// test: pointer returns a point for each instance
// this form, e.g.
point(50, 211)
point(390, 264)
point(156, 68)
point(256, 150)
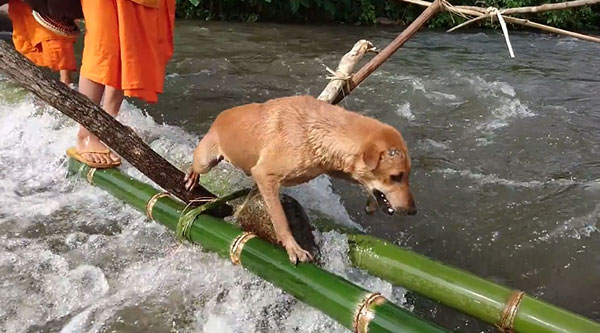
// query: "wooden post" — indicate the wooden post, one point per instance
point(387, 52)
point(118, 137)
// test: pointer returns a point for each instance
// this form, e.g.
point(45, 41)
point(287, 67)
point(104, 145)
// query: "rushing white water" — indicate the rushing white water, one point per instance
point(498, 98)
point(482, 179)
point(74, 259)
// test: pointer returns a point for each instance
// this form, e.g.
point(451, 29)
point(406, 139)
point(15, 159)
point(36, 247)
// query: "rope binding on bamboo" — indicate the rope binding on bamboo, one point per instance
point(364, 313)
point(153, 201)
point(90, 175)
point(338, 76)
point(186, 219)
point(507, 317)
point(235, 250)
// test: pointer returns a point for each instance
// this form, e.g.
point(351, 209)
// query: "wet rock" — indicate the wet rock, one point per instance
point(252, 216)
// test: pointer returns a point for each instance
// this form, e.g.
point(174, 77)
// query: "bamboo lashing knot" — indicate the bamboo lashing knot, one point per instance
point(186, 219)
point(235, 250)
point(152, 202)
point(364, 314)
point(336, 75)
point(90, 175)
point(507, 317)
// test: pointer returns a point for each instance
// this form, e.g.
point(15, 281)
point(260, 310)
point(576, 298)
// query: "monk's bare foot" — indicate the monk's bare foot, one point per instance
point(91, 144)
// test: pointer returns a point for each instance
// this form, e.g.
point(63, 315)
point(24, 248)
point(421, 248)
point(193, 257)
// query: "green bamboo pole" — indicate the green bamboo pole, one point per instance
point(335, 296)
point(460, 290)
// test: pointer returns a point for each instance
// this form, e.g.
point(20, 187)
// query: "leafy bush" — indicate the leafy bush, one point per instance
point(367, 12)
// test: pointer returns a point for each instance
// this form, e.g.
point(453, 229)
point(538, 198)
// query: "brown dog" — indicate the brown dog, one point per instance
point(291, 140)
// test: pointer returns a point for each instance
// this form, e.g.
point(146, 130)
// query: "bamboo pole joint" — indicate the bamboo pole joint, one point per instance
point(235, 250)
point(507, 318)
point(365, 312)
point(90, 175)
point(152, 202)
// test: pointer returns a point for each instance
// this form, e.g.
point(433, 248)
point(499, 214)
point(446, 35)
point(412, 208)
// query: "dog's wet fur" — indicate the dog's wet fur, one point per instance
point(291, 140)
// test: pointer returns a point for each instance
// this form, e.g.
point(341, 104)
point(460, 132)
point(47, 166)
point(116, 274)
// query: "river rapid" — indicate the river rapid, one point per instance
point(506, 170)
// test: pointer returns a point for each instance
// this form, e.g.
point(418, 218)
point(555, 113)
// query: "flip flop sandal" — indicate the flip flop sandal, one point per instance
point(73, 153)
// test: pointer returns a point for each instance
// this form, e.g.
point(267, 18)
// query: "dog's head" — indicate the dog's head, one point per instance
point(383, 168)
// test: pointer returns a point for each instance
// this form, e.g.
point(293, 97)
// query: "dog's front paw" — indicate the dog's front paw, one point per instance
point(295, 252)
point(191, 180)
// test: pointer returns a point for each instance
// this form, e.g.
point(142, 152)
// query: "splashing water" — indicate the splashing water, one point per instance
point(483, 179)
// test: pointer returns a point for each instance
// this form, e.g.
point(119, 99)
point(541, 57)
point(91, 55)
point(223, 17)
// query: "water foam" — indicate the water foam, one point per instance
point(486, 179)
point(403, 110)
point(427, 88)
point(317, 195)
point(575, 227)
point(500, 99)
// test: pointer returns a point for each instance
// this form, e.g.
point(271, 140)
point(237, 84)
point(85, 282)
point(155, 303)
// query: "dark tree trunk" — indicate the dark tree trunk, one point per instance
point(118, 137)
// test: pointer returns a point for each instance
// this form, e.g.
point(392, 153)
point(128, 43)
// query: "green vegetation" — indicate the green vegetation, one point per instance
point(367, 12)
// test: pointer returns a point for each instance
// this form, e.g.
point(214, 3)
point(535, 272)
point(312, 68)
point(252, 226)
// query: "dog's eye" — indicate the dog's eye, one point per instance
point(398, 177)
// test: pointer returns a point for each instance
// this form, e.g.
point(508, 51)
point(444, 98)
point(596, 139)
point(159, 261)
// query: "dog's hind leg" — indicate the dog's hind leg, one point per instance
point(206, 156)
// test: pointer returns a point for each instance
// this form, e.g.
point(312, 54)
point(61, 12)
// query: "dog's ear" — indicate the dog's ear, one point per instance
point(371, 155)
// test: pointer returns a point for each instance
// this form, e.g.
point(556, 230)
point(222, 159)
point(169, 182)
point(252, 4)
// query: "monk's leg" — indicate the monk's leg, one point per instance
point(65, 76)
point(86, 141)
point(113, 98)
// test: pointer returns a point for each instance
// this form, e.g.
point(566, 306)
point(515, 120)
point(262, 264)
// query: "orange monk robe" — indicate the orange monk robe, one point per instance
point(40, 45)
point(127, 45)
